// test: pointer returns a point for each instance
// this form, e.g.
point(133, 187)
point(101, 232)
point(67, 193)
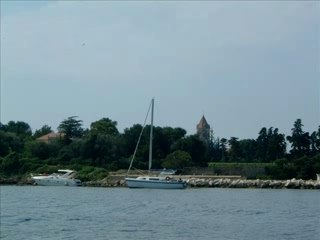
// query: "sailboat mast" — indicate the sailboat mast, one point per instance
point(151, 135)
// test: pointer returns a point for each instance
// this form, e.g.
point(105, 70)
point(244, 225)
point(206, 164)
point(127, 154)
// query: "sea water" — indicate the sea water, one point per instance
point(35, 212)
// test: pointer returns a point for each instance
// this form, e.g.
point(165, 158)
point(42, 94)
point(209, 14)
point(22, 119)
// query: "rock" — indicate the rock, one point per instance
point(275, 184)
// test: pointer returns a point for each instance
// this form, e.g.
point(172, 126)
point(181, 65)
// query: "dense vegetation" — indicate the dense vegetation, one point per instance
point(102, 147)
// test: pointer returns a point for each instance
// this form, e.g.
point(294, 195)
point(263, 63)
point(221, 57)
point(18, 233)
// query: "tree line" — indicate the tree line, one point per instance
point(103, 146)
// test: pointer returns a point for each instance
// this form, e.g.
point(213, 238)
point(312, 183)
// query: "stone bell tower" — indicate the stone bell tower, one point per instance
point(203, 130)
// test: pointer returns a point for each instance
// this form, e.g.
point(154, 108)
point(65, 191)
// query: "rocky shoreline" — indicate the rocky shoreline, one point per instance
point(225, 183)
point(198, 183)
point(258, 183)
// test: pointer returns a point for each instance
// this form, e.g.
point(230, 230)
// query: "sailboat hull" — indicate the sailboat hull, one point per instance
point(155, 184)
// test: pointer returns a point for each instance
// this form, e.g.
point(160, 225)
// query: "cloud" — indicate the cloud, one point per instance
point(133, 35)
point(87, 56)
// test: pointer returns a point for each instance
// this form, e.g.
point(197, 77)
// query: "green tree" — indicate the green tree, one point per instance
point(4, 145)
point(214, 150)
point(131, 136)
point(195, 147)
point(217, 149)
point(248, 148)
point(45, 129)
point(103, 144)
point(163, 140)
point(104, 126)
point(37, 149)
point(21, 129)
point(10, 142)
point(102, 149)
point(177, 160)
point(305, 167)
point(300, 140)
point(10, 164)
point(282, 169)
point(315, 142)
point(276, 145)
point(72, 152)
point(262, 145)
point(271, 145)
point(223, 147)
point(235, 150)
point(72, 128)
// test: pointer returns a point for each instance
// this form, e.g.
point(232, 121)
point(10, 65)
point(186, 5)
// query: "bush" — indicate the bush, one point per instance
point(89, 173)
point(10, 164)
point(29, 165)
point(48, 169)
point(281, 169)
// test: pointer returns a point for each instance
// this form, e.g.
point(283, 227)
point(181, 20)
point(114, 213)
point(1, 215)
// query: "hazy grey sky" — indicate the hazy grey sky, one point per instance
point(244, 65)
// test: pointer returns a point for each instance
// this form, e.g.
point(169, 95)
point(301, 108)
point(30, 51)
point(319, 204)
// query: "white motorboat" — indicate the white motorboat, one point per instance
point(159, 182)
point(318, 177)
point(64, 177)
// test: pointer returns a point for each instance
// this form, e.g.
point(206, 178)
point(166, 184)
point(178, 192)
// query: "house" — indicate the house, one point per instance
point(50, 137)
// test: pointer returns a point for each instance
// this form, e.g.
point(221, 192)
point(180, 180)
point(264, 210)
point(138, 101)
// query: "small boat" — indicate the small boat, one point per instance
point(318, 177)
point(159, 182)
point(64, 177)
point(168, 172)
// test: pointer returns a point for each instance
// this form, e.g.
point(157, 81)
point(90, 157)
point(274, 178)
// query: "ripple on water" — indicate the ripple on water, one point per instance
point(103, 214)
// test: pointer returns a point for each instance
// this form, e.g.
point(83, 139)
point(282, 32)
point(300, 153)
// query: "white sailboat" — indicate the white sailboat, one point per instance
point(159, 182)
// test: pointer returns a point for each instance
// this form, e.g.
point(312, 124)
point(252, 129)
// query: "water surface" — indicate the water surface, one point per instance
point(35, 212)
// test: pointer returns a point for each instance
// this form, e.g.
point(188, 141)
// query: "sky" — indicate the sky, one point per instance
point(243, 65)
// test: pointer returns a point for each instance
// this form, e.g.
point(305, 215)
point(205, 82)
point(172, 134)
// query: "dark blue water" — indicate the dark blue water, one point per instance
point(34, 212)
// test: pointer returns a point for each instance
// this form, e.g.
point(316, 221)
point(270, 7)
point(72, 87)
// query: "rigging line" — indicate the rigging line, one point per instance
point(135, 151)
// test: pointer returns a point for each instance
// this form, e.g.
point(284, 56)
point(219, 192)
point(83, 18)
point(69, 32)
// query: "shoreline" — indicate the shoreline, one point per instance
point(196, 182)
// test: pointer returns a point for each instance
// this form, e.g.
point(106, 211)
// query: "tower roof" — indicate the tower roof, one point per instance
point(203, 123)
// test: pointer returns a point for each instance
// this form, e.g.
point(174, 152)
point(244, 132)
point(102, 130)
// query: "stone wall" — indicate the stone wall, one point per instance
point(251, 172)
